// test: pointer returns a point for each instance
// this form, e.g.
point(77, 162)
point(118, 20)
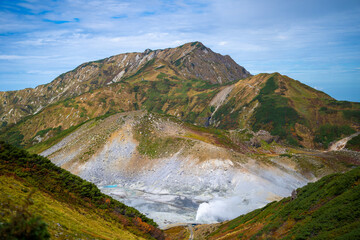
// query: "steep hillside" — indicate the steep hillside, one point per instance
point(354, 143)
point(298, 114)
point(326, 209)
point(71, 207)
point(189, 61)
point(161, 166)
point(293, 112)
point(160, 92)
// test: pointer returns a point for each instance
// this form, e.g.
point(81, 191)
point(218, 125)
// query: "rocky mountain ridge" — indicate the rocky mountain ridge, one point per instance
point(177, 134)
point(183, 82)
point(289, 110)
point(191, 60)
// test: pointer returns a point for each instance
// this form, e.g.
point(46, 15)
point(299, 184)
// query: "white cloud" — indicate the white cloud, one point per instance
point(11, 57)
point(21, 57)
point(247, 31)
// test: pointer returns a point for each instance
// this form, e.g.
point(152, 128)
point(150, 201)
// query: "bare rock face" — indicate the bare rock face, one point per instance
point(185, 179)
point(191, 60)
point(194, 60)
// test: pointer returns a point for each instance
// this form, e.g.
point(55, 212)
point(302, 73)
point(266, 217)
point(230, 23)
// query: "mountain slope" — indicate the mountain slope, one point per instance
point(189, 61)
point(286, 108)
point(70, 206)
point(326, 209)
point(183, 82)
point(294, 112)
point(178, 172)
point(187, 99)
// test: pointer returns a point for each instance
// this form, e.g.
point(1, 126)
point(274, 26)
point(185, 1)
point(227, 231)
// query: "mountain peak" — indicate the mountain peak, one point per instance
point(192, 44)
point(197, 44)
point(195, 60)
point(189, 61)
point(147, 51)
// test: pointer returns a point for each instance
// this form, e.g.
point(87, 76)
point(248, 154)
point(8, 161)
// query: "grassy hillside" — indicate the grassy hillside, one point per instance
point(296, 113)
point(188, 61)
point(71, 207)
point(354, 144)
point(326, 209)
point(151, 89)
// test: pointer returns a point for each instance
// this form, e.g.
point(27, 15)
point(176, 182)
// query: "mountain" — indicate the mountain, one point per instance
point(70, 207)
point(185, 134)
point(295, 113)
point(190, 82)
point(178, 172)
point(286, 108)
point(326, 209)
point(189, 61)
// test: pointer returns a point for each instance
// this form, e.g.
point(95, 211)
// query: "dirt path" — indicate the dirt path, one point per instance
point(190, 228)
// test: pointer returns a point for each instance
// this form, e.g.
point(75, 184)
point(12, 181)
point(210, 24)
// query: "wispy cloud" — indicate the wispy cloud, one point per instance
point(21, 57)
point(292, 37)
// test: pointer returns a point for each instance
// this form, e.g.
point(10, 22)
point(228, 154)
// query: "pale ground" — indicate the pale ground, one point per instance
point(199, 183)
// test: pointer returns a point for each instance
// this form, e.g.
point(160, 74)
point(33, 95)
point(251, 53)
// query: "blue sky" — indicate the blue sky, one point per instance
point(316, 42)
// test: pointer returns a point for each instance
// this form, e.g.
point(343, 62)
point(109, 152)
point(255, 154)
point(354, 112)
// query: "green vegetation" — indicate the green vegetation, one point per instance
point(42, 133)
point(152, 145)
point(22, 224)
point(229, 117)
point(143, 68)
point(42, 146)
point(327, 110)
point(161, 75)
point(44, 174)
point(216, 136)
point(39, 173)
point(11, 133)
point(157, 147)
point(342, 104)
point(177, 233)
point(38, 148)
point(13, 137)
point(329, 133)
point(354, 143)
point(168, 94)
point(173, 93)
point(282, 103)
point(326, 209)
point(353, 115)
point(69, 102)
point(274, 113)
point(286, 155)
point(178, 62)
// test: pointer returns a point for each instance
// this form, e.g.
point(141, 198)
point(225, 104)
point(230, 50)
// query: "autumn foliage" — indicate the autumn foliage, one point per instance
point(64, 186)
